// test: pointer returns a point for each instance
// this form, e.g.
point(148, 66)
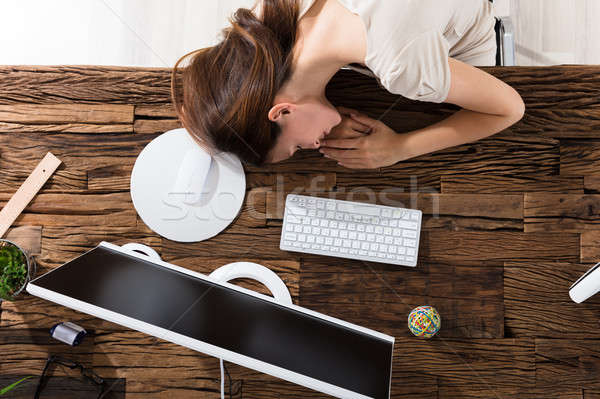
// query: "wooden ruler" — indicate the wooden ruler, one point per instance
point(27, 191)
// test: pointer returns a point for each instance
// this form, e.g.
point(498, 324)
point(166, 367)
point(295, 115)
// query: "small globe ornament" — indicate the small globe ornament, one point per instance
point(424, 321)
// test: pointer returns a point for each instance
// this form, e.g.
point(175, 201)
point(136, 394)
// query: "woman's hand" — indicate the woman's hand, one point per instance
point(381, 147)
point(348, 128)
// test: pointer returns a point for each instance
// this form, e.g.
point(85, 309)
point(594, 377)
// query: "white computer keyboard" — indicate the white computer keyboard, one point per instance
point(353, 230)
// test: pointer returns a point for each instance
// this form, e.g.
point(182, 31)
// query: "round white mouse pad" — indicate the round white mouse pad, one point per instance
point(177, 197)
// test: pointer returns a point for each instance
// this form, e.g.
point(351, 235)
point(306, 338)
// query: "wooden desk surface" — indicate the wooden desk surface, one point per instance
point(509, 223)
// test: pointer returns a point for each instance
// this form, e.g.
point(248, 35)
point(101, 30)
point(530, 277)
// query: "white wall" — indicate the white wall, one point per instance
point(158, 32)
point(109, 32)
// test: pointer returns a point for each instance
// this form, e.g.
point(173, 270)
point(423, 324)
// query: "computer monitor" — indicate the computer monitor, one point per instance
point(223, 320)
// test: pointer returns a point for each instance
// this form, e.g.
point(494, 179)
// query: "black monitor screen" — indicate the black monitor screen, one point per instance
point(226, 318)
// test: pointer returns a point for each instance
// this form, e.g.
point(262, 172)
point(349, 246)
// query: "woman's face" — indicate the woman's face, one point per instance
point(302, 126)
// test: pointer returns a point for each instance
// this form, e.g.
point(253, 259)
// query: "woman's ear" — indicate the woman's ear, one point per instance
point(278, 110)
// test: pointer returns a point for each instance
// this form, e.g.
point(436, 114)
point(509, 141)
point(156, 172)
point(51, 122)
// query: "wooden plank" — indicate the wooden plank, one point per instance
point(111, 177)
point(27, 237)
point(591, 184)
point(441, 211)
point(484, 184)
point(233, 243)
point(498, 245)
point(101, 114)
point(557, 87)
point(64, 128)
point(560, 123)
point(145, 126)
point(138, 356)
point(590, 246)
point(389, 180)
point(481, 391)
point(591, 394)
point(379, 296)
point(561, 212)
point(537, 302)
point(155, 111)
point(567, 362)
point(579, 158)
point(76, 203)
point(85, 85)
point(503, 362)
point(296, 182)
point(404, 385)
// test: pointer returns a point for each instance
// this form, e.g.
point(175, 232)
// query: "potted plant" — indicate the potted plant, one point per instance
point(15, 270)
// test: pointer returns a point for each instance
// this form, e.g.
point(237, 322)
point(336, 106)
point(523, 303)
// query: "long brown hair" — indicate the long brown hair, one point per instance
point(224, 94)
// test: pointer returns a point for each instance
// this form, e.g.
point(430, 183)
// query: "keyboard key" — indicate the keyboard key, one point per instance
point(389, 240)
point(409, 234)
point(297, 228)
point(324, 223)
point(370, 237)
point(289, 227)
point(401, 250)
point(378, 230)
point(355, 244)
point(379, 239)
point(337, 242)
point(329, 241)
point(330, 205)
point(320, 240)
point(383, 248)
point(320, 214)
point(407, 225)
point(374, 247)
point(370, 229)
point(362, 236)
point(347, 243)
point(358, 209)
point(290, 236)
point(296, 210)
point(320, 204)
point(343, 225)
point(360, 227)
point(316, 231)
point(314, 222)
point(386, 213)
point(310, 239)
point(335, 233)
point(410, 243)
point(411, 251)
point(352, 235)
point(343, 234)
point(306, 230)
point(344, 250)
point(302, 237)
point(414, 216)
point(365, 245)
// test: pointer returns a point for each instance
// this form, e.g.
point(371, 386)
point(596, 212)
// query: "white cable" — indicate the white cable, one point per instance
point(222, 380)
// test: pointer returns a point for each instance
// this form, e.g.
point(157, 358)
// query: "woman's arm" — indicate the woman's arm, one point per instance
point(489, 106)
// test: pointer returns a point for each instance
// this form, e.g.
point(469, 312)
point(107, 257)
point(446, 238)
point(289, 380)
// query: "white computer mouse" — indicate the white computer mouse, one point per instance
point(192, 174)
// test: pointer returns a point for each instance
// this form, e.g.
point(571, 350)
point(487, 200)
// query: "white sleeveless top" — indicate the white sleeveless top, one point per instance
point(409, 41)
